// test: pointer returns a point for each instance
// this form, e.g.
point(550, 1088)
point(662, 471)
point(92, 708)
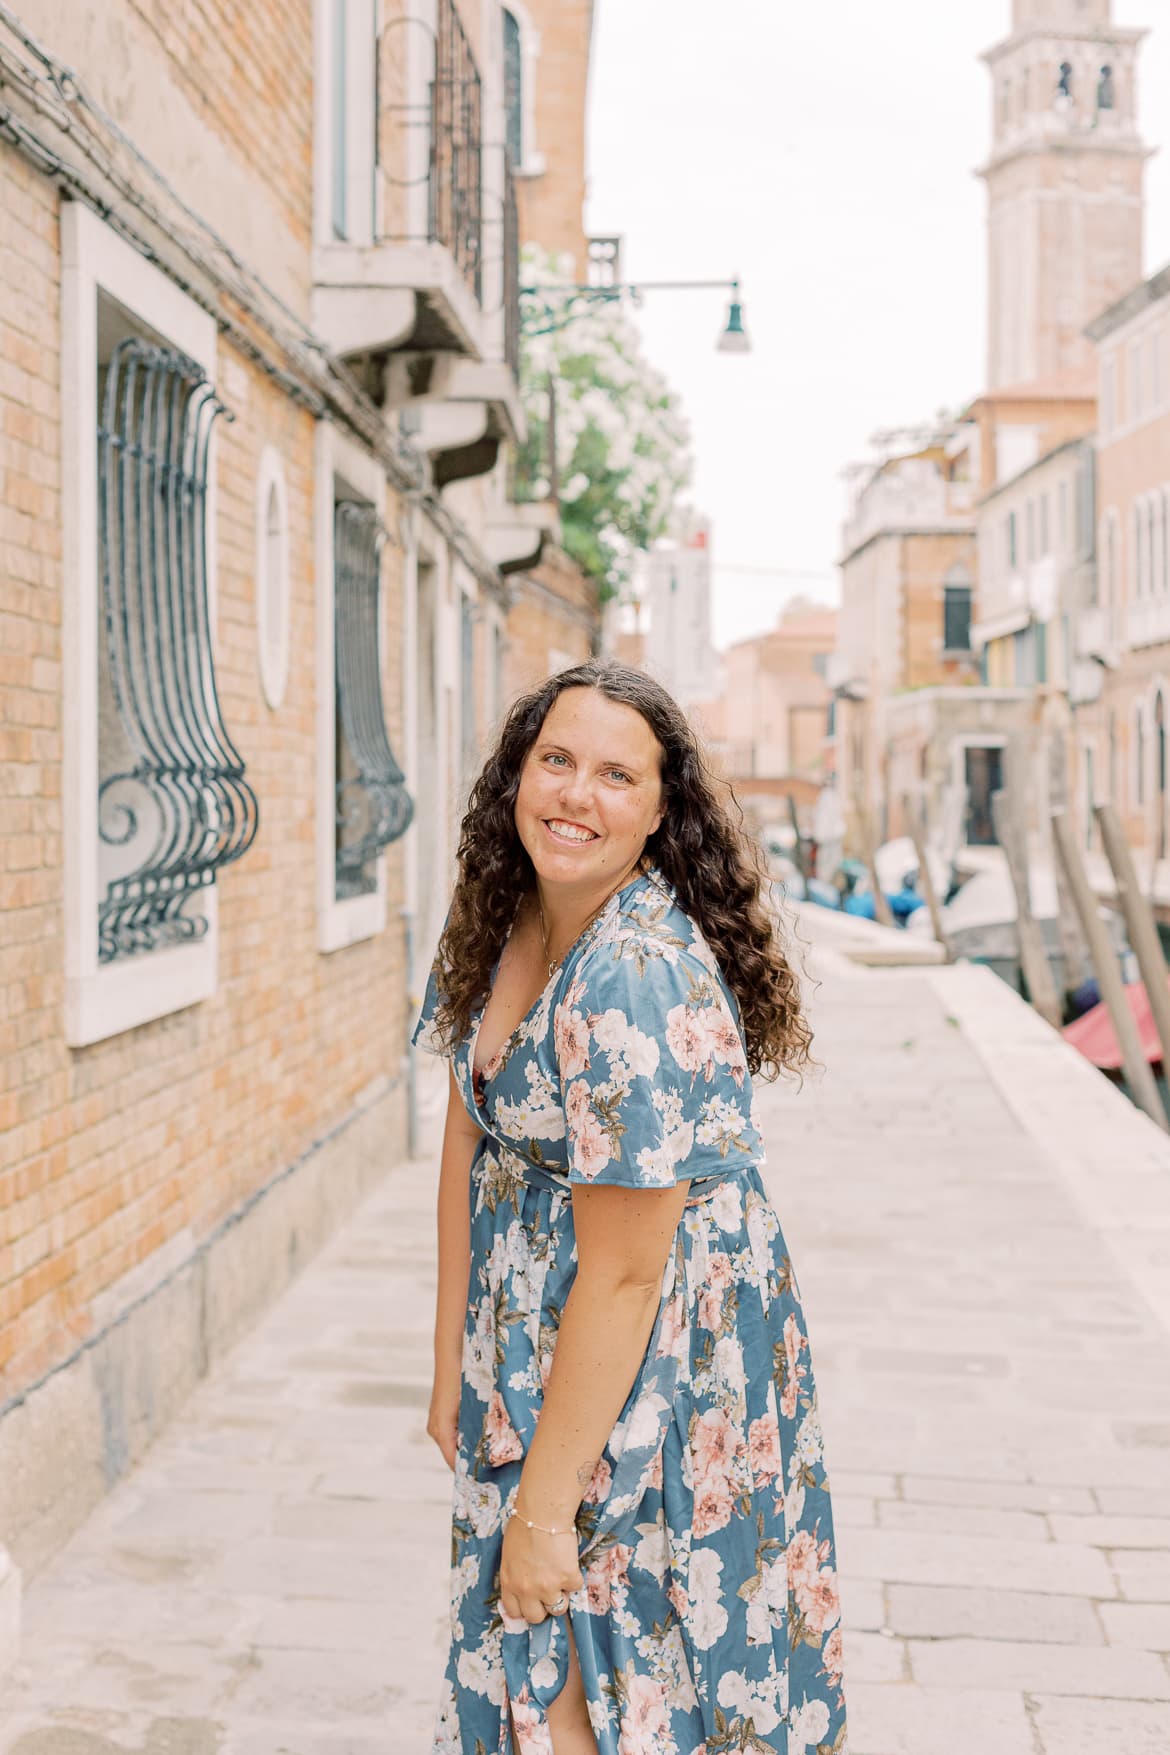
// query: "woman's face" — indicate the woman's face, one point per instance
point(590, 790)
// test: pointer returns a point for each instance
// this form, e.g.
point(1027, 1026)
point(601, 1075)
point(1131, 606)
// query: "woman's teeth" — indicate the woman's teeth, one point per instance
point(570, 832)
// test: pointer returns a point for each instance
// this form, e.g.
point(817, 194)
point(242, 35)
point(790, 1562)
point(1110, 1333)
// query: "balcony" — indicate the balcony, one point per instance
point(399, 267)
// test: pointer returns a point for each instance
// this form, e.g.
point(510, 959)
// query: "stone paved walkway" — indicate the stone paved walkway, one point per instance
point(992, 1346)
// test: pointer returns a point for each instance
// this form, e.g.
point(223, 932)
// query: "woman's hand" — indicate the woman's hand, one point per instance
point(536, 1570)
point(443, 1415)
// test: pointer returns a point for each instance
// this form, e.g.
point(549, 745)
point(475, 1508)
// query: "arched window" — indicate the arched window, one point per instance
point(513, 87)
point(1160, 774)
point(1106, 96)
point(1138, 778)
point(1064, 84)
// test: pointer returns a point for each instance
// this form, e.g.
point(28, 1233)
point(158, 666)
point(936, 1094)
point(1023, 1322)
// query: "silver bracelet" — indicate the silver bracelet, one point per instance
point(544, 1528)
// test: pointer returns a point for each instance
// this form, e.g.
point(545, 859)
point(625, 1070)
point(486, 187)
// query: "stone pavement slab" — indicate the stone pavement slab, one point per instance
point(991, 1345)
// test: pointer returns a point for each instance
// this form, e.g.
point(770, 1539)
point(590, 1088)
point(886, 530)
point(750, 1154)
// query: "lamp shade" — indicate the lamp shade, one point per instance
point(734, 337)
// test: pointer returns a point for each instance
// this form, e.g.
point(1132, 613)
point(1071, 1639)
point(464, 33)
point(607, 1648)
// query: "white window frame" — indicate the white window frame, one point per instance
point(273, 596)
point(106, 999)
point(960, 743)
point(532, 162)
point(353, 918)
point(1138, 755)
point(361, 192)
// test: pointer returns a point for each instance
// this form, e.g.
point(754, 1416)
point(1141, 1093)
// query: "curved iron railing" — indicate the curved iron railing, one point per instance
point(176, 799)
point(373, 805)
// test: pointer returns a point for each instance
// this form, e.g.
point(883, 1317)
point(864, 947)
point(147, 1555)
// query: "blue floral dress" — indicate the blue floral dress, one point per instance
point(709, 1619)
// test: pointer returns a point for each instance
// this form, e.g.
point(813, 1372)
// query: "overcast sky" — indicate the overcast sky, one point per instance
point(825, 153)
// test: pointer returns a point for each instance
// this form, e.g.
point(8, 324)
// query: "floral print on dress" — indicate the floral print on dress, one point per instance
point(709, 1618)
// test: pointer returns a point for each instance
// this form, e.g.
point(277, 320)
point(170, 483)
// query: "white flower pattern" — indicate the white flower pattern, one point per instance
point(706, 1535)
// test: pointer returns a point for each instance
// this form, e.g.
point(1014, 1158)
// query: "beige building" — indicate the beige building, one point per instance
point(907, 586)
point(1120, 702)
point(768, 726)
point(258, 384)
point(1065, 225)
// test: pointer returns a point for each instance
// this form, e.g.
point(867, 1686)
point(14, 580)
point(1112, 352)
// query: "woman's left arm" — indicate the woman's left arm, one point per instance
point(623, 1237)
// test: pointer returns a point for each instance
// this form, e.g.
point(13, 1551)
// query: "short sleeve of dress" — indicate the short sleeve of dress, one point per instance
point(424, 1035)
point(654, 1076)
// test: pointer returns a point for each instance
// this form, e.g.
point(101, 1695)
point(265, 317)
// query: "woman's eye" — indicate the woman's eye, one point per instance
point(617, 774)
point(553, 757)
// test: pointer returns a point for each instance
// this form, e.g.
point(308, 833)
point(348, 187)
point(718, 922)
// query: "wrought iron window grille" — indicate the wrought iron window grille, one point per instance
point(174, 806)
point(373, 805)
point(450, 117)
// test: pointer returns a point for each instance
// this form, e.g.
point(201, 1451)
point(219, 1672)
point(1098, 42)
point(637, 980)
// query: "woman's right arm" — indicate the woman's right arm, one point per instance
point(460, 1138)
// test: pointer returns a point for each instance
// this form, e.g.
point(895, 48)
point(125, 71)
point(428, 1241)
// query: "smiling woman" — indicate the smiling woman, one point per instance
point(644, 1559)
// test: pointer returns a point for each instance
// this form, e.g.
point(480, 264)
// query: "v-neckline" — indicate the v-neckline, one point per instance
point(480, 1077)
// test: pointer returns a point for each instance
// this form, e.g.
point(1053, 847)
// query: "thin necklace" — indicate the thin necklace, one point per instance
point(555, 963)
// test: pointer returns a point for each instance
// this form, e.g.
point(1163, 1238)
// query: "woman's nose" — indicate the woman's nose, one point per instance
point(576, 789)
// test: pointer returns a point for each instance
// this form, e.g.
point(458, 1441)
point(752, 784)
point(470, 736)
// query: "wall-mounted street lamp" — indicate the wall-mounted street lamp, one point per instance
point(546, 309)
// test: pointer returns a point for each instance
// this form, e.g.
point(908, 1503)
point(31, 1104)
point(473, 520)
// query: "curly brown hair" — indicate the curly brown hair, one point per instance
point(700, 847)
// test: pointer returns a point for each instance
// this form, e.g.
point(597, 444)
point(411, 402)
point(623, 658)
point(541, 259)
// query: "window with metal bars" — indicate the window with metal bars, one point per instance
point(174, 806)
point(373, 805)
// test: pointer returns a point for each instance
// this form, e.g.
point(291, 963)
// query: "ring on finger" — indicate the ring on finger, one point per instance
point(559, 1607)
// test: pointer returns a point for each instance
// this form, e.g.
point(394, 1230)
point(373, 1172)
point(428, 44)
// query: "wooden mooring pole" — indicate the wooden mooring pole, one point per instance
point(1010, 832)
point(916, 824)
point(1139, 922)
point(882, 911)
point(1108, 971)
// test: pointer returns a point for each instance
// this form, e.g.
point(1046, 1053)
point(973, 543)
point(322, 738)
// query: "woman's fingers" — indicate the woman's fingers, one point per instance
point(533, 1610)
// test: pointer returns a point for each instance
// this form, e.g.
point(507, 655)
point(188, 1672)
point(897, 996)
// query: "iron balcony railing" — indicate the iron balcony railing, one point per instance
point(373, 805)
point(174, 806)
point(430, 138)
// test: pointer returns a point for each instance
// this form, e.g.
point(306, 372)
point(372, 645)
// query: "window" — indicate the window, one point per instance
point(272, 576)
point(469, 691)
point(339, 157)
point(1062, 514)
point(1136, 381)
point(1138, 777)
point(1064, 83)
point(1106, 95)
point(156, 797)
point(362, 800)
point(513, 88)
point(1012, 546)
point(520, 53)
point(1044, 545)
point(1030, 531)
point(373, 806)
point(957, 618)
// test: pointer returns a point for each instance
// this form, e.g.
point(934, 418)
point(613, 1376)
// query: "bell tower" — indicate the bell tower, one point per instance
point(1065, 185)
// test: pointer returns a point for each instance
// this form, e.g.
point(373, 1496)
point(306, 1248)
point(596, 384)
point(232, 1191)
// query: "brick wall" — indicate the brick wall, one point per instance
point(138, 1145)
point(555, 612)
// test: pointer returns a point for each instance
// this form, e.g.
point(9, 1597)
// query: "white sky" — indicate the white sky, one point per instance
point(824, 153)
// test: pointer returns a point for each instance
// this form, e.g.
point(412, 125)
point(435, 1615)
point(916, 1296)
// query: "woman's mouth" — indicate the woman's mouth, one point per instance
point(573, 834)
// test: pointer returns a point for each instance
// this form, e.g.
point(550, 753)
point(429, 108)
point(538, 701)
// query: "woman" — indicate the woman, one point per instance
point(643, 1545)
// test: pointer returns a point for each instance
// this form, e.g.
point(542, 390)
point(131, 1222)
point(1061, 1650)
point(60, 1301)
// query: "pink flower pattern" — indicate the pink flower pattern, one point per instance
point(640, 1045)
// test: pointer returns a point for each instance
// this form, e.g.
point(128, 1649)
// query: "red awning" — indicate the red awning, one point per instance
point(1096, 1038)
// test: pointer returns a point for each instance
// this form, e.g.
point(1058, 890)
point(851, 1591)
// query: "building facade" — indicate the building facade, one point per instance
point(907, 588)
point(1121, 695)
point(259, 335)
